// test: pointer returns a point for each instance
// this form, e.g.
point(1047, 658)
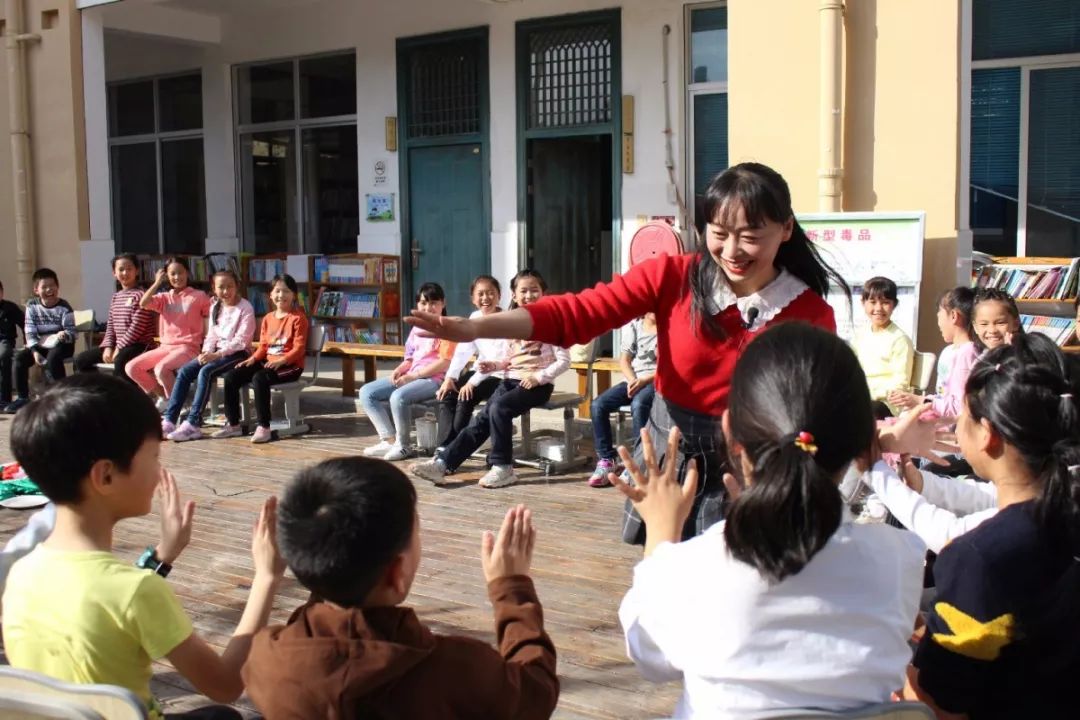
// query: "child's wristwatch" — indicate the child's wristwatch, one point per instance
point(150, 561)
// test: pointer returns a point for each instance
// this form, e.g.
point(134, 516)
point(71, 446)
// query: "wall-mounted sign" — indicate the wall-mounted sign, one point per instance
point(380, 207)
point(380, 172)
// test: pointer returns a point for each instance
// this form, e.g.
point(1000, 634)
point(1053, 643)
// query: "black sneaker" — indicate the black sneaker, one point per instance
point(14, 407)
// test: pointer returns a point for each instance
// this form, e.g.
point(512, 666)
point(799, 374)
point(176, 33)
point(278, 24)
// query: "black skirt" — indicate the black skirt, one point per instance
point(703, 441)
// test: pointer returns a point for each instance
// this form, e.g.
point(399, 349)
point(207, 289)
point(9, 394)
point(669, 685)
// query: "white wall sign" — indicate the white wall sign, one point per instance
point(863, 245)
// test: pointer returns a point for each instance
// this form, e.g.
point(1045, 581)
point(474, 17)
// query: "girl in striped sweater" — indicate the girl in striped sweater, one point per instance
point(130, 328)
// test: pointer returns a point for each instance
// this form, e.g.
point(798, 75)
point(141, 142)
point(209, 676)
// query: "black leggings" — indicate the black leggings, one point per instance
point(455, 414)
point(261, 378)
point(54, 365)
point(88, 360)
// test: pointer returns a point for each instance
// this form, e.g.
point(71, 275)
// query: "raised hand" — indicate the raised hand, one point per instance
point(510, 553)
point(264, 548)
point(663, 504)
point(920, 432)
point(176, 518)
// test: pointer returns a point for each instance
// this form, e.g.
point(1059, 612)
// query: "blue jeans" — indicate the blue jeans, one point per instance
point(613, 399)
point(374, 394)
point(203, 376)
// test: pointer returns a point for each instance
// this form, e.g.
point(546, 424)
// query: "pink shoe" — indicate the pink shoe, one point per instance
point(262, 435)
point(186, 432)
point(599, 477)
point(167, 427)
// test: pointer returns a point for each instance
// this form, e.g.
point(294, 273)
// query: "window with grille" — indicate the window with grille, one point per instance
point(570, 71)
point(444, 90)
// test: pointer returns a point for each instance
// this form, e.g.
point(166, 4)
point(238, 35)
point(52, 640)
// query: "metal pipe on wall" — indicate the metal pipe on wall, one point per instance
point(830, 170)
point(15, 39)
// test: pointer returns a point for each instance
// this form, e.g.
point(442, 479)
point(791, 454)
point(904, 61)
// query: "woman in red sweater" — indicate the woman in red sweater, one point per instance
point(754, 268)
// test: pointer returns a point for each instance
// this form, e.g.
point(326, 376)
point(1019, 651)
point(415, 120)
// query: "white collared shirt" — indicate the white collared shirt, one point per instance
point(769, 301)
point(834, 636)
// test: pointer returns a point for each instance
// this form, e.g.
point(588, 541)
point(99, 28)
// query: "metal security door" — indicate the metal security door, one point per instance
point(449, 242)
point(443, 104)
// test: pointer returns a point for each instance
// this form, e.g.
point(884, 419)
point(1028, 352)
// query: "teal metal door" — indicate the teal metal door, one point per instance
point(449, 240)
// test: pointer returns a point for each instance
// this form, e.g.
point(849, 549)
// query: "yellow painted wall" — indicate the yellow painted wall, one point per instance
point(901, 113)
point(57, 146)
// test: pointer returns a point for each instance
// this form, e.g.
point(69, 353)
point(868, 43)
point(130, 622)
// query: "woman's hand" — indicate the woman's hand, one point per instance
point(529, 382)
point(633, 388)
point(448, 386)
point(466, 392)
point(404, 379)
point(160, 277)
point(176, 517)
point(662, 503)
point(510, 553)
point(274, 363)
point(107, 355)
point(454, 328)
point(208, 357)
point(247, 362)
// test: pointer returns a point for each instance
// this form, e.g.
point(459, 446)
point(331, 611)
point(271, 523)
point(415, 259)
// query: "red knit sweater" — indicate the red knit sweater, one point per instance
point(693, 368)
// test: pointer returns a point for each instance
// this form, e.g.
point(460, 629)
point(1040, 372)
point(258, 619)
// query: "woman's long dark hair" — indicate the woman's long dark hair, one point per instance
point(432, 292)
point(1024, 390)
point(793, 378)
point(764, 195)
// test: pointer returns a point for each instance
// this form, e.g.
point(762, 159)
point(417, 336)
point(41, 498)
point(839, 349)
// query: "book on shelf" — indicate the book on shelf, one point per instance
point(337, 303)
point(1058, 329)
point(1035, 281)
point(264, 269)
point(352, 334)
point(348, 271)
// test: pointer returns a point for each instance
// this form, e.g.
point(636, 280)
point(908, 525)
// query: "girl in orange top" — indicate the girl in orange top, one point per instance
point(278, 359)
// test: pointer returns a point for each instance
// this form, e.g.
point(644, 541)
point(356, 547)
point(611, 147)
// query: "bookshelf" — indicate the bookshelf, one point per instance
point(1045, 289)
point(201, 268)
point(357, 296)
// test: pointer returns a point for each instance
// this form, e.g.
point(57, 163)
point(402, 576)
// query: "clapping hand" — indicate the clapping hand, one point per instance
point(264, 548)
point(511, 552)
point(176, 518)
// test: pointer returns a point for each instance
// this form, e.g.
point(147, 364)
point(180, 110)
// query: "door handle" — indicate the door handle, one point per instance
point(415, 250)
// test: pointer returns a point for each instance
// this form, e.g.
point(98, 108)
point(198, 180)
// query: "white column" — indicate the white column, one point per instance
point(222, 232)
point(99, 249)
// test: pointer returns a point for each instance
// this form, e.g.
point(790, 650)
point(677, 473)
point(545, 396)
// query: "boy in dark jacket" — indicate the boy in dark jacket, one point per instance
point(349, 530)
point(11, 321)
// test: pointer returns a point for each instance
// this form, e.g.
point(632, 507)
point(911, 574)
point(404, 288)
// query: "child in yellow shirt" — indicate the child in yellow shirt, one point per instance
point(884, 350)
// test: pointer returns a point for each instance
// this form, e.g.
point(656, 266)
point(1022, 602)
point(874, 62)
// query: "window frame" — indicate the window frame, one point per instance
point(157, 137)
point(692, 93)
point(296, 128)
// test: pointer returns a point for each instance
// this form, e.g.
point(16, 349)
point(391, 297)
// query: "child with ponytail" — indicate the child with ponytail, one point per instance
point(787, 568)
point(1001, 638)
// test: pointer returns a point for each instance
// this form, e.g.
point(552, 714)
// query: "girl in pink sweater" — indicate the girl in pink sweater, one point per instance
point(183, 312)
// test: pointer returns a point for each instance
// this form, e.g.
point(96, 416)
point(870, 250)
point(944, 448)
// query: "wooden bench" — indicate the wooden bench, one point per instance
point(369, 353)
point(602, 368)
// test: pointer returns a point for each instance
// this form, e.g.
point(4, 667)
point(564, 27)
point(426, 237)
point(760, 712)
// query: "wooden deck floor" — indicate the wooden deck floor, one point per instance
point(581, 568)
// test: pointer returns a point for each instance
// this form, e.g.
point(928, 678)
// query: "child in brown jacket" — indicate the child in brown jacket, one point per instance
point(349, 530)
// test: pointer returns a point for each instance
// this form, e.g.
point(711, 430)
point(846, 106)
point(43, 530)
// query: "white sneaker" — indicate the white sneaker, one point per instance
point(499, 476)
point(397, 452)
point(432, 470)
point(380, 449)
